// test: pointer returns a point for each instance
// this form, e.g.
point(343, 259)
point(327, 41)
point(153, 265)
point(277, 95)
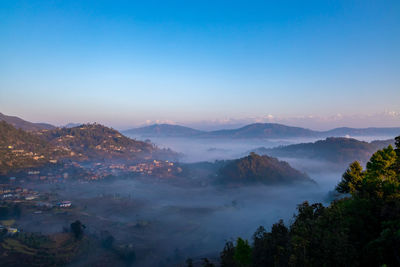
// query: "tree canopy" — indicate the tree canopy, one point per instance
point(360, 229)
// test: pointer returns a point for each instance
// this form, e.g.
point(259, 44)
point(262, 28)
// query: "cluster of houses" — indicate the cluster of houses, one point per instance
point(150, 168)
point(8, 192)
point(22, 153)
point(96, 171)
point(156, 168)
point(18, 194)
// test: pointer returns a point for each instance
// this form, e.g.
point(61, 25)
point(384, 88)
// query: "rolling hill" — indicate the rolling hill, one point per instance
point(263, 130)
point(22, 149)
point(337, 150)
point(25, 125)
point(256, 169)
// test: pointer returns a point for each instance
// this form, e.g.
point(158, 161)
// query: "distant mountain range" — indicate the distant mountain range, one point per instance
point(337, 150)
point(164, 130)
point(257, 130)
point(251, 131)
point(25, 125)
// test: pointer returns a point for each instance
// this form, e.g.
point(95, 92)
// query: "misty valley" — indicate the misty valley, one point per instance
point(90, 195)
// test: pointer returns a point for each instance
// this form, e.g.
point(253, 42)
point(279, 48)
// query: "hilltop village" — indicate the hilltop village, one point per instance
point(86, 152)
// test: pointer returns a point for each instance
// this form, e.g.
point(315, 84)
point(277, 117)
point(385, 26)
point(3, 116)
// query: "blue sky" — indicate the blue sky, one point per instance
point(123, 63)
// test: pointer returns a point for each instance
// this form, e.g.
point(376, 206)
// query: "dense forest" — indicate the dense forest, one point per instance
point(334, 149)
point(362, 228)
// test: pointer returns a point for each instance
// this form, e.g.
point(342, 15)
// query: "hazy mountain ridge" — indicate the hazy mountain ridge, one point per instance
point(162, 130)
point(334, 149)
point(255, 130)
point(263, 130)
point(258, 131)
point(25, 125)
point(370, 131)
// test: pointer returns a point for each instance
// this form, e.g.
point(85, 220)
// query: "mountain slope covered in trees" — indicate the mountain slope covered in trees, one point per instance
point(360, 229)
point(334, 149)
point(256, 169)
point(20, 149)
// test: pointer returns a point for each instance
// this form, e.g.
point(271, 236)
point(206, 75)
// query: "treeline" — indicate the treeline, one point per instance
point(338, 150)
point(361, 229)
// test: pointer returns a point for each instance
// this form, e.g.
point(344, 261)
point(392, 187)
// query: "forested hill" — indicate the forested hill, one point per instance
point(96, 141)
point(256, 169)
point(334, 149)
point(20, 149)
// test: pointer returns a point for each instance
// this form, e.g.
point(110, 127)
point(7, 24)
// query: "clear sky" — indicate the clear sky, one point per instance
point(123, 63)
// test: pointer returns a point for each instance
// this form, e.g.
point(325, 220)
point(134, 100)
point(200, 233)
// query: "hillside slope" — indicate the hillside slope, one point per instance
point(90, 142)
point(334, 149)
point(256, 169)
point(25, 125)
point(264, 130)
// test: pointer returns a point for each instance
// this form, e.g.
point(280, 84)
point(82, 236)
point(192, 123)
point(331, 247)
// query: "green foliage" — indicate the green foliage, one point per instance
point(271, 248)
point(362, 229)
point(379, 180)
point(227, 255)
point(242, 255)
point(77, 229)
point(351, 179)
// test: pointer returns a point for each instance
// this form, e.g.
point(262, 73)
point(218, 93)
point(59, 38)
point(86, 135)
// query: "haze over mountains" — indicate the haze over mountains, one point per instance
point(258, 130)
point(251, 131)
point(338, 150)
point(25, 125)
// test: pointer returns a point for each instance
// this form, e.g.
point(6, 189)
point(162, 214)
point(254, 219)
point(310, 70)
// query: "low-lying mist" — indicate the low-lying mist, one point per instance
point(211, 149)
point(167, 222)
